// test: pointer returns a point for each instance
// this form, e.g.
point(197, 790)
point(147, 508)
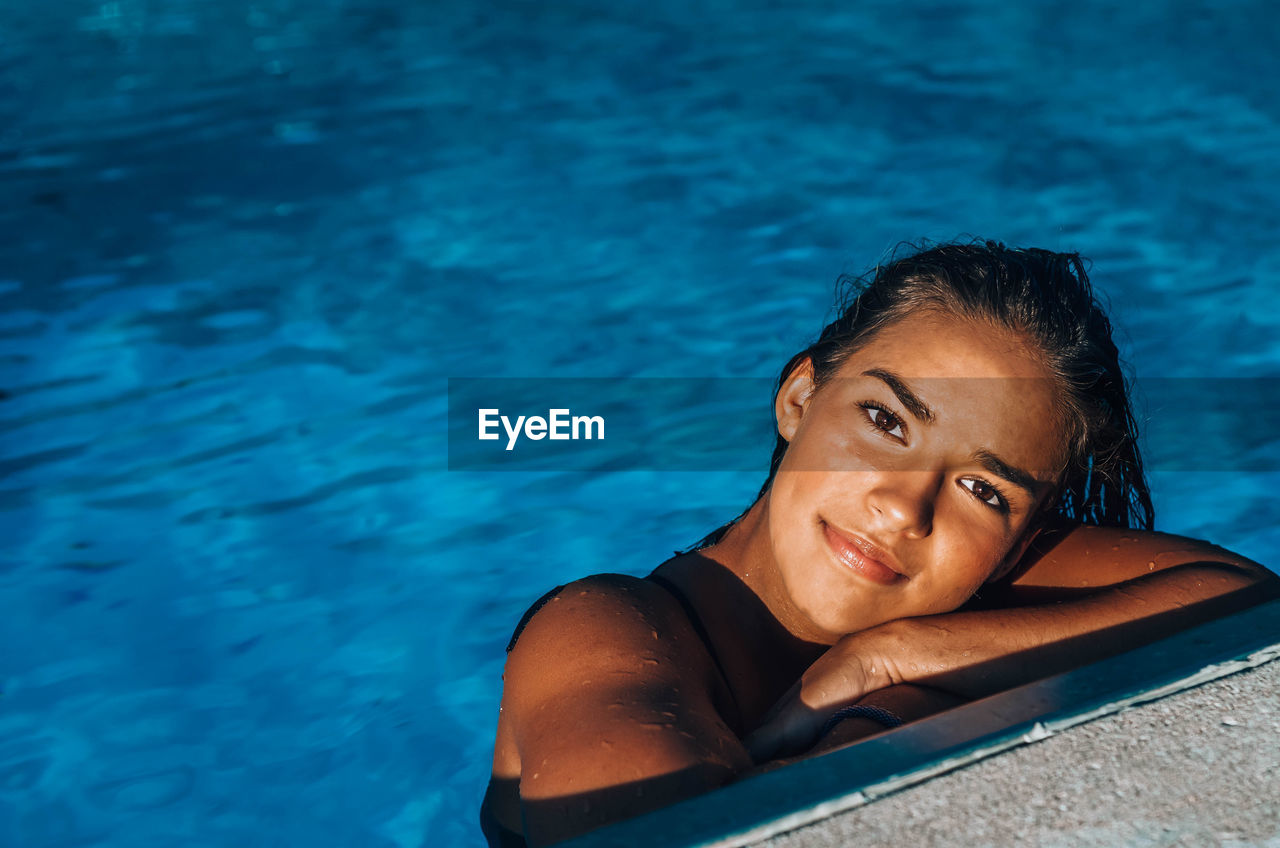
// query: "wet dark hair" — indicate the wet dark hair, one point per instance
point(1045, 297)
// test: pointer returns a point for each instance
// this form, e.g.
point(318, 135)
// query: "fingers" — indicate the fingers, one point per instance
point(788, 699)
point(793, 729)
point(838, 678)
point(762, 744)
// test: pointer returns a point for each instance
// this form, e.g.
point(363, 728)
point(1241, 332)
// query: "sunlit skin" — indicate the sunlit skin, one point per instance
point(861, 465)
point(912, 478)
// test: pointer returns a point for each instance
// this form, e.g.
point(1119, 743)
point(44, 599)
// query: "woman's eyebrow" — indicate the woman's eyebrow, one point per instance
point(988, 460)
point(909, 399)
point(1015, 475)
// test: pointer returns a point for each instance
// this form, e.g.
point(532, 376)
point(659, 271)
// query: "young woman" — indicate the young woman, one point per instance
point(955, 505)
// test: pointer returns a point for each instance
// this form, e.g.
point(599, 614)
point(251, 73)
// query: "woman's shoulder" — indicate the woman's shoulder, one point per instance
point(595, 593)
point(607, 638)
point(611, 616)
point(599, 588)
point(606, 683)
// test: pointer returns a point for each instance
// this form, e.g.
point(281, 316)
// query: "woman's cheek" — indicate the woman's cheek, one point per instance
point(971, 564)
point(959, 596)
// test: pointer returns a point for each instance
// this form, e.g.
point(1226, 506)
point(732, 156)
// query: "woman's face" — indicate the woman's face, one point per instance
point(914, 474)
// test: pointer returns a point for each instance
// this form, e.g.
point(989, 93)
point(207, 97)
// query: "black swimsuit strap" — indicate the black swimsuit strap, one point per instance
point(695, 621)
point(530, 613)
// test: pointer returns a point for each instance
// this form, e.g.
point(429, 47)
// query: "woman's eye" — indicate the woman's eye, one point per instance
point(984, 492)
point(885, 421)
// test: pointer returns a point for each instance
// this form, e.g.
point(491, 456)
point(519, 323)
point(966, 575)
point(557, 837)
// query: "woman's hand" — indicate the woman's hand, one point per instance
point(793, 726)
point(839, 678)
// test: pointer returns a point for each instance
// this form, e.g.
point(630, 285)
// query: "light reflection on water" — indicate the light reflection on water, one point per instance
point(246, 245)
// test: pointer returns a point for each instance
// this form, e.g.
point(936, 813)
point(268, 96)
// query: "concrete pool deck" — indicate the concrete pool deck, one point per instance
point(1200, 767)
point(1176, 742)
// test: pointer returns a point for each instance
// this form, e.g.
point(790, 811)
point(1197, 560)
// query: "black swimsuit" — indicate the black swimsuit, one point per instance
point(502, 837)
point(696, 621)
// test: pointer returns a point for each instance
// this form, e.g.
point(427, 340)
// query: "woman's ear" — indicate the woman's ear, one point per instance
point(793, 398)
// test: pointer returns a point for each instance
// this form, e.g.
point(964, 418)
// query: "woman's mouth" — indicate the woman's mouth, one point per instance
point(861, 557)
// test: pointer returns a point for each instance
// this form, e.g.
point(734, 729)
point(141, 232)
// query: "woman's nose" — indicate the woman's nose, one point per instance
point(903, 502)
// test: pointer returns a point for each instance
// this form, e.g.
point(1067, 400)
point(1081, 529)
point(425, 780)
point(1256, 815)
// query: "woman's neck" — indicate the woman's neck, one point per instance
point(747, 551)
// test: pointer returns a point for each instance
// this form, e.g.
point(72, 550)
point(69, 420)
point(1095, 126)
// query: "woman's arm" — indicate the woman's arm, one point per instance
point(1095, 592)
point(1081, 558)
point(906, 701)
point(608, 719)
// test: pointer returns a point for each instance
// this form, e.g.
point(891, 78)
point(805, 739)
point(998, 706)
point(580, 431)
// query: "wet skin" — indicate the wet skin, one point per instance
point(909, 480)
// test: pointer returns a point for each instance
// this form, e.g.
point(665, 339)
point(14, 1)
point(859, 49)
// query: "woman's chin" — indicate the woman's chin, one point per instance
point(836, 622)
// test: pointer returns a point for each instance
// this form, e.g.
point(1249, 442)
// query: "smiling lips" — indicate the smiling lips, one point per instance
point(862, 557)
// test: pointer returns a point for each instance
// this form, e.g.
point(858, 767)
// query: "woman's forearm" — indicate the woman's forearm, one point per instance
point(976, 653)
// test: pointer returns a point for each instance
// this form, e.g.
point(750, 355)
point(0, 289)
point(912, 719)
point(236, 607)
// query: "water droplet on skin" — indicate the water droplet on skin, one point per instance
point(535, 775)
point(966, 653)
point(582, 594)
point(1151, 566)
point(655, 635)
point(648, 661)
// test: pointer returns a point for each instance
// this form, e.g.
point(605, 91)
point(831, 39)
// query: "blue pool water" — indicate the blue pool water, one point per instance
point(245, 246)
